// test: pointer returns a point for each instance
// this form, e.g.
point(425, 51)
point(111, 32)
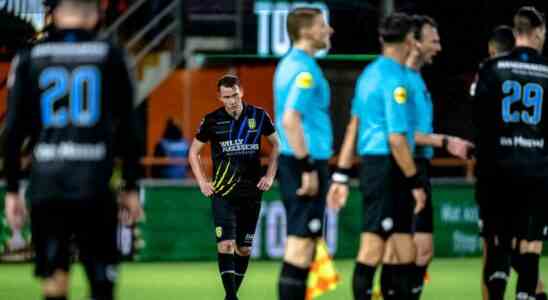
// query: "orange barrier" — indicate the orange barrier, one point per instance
point(4, 70)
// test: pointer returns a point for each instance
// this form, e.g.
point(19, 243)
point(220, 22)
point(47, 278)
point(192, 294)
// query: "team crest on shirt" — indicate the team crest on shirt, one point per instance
point(251, 123)
point(400, 95)
point(219, 231)
point(304, 80)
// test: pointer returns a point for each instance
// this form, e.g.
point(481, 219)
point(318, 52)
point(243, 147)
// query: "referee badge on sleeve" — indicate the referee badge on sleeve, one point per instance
point(400, 95)
point(304, 80)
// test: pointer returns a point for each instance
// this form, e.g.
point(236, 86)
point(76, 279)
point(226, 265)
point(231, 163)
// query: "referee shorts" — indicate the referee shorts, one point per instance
point(387, 204)
point(424, 222)
point(305, 215)
point(90, 224)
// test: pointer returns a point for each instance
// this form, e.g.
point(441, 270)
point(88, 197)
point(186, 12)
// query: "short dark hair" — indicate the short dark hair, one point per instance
point(527, 19)
point(395, 27)
point(418, 23)
point(229, 81)
point(298, 18)
point(503, 38)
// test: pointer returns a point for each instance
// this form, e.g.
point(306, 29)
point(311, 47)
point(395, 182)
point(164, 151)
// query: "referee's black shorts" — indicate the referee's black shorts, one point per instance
point(387, 204)
point(513, 207)
point(89, 223)
point(424, 220)
point(236, 218)
point(305, 215)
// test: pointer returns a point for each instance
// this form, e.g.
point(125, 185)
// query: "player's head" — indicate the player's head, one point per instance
point(230, 93)
point(307, 24)
point(530, 27)
point(502, 40)
point(425, 31)
point(82, 14)
point(397, 30)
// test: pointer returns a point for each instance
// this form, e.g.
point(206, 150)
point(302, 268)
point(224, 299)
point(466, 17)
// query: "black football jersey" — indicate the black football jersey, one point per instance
point(510, 118)
point(235, 149)
point(73, 96)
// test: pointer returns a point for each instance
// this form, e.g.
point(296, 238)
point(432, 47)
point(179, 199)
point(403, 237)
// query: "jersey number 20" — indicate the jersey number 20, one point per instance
point(83, 88)
point(530, 95)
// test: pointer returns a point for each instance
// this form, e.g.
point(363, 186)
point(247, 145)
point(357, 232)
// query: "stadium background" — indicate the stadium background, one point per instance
point(183, 47)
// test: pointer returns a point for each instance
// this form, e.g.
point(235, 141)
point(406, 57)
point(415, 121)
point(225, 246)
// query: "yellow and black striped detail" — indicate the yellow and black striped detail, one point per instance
point(222, 184)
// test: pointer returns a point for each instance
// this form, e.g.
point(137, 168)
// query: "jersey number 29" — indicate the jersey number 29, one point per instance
point(83, 88)
point(531, 96)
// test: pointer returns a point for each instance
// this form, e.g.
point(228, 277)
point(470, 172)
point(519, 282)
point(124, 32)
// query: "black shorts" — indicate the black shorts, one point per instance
point(424, 220)
point(236, 219)
point(513, 207)
point(305, 215)
point(59, 224)
point(387, 204)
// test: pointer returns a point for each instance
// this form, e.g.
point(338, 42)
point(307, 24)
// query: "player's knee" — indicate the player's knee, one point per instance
point(299, 251)
point(425, 252)
point(371, 250)
point(56, 285)
point(534, 247)
point(226, 247)
point(243, 250)
point(404, 247)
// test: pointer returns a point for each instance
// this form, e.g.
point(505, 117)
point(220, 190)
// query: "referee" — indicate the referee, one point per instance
point(234, 132)
point(428, 45)
point(512, 157)
point(72, 95)
point(382, 115)
point(302, 99)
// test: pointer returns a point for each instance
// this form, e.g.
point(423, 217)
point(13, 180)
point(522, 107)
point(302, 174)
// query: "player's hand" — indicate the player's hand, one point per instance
point(420, 199)
point(309, 184)
point(130, 207)
point(206, 187)
point(16, 211)
point(265, 183)
point(337, 195)
point(459, 147)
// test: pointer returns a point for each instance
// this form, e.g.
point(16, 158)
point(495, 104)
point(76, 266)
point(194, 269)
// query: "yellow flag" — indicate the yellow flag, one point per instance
point(322, 277)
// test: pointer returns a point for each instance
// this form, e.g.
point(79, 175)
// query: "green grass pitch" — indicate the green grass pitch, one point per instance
point(450, 279)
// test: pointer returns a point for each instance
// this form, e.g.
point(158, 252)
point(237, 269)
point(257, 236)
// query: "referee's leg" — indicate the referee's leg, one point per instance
point(423, 233)
point(369, 257)
point(305, 217)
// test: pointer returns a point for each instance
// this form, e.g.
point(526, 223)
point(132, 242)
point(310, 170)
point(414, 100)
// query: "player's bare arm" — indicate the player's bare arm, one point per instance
point(266, 181)
point(456, 146)
point(404, 159)
point(294, 131)
point(206, 187)
point(338, 191)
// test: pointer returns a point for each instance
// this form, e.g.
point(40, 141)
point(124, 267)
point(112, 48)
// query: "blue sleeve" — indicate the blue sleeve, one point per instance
point(423, 122)
point(356, 101)
point(396, 100)
point(301, 92)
